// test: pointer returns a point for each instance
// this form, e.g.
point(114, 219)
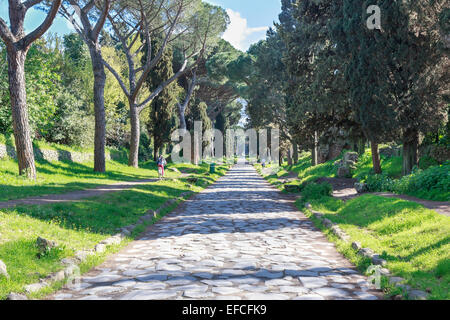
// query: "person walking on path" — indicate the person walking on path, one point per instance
point(161, 163)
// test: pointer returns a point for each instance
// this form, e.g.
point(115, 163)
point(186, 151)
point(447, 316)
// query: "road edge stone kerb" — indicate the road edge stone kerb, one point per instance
point(368, 253)
point(81, 255)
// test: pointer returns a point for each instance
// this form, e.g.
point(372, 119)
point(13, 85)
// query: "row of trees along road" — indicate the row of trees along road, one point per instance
point(144, 31)
point(322, 73)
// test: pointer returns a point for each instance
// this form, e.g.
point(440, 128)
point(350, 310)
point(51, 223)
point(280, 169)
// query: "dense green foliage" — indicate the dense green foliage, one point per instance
point(432, 183)
point(316, 191)
point(59, 81)
point(43, 77)
point(331, 82)
point(161, 121)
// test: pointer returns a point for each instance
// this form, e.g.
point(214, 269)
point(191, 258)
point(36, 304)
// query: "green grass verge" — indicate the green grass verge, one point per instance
point(391, 167)
point(308, 173)
point(414, 240)
point(8, 140)
point(63, 177)
point(432, 183)
point(80, 225)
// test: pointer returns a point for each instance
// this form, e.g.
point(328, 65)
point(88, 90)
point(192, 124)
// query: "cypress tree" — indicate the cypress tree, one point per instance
point(198, 112)
point(395, 75)
point(317, 102)
point(161, 121)
point(418, 66)
point(366, 71)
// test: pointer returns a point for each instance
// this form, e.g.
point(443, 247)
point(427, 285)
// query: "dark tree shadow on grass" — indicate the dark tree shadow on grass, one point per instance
point(104, 214)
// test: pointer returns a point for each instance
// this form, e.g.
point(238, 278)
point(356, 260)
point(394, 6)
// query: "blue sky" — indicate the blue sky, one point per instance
point(249, 20)
point(34, 18)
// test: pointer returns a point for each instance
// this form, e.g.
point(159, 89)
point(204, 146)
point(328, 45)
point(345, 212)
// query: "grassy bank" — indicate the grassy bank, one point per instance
point(62, 177)
point(432, 183)
point(392, 167)
point(412, 239)
point(41, 144)
point(80, 225)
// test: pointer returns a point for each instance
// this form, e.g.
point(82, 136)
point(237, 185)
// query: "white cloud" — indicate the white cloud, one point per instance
point(239, 34)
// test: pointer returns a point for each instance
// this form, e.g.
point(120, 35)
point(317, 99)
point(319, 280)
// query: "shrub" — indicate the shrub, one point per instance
point(72, 125)
point(433, 183)
point(145, 148)
point(435, 178)
point(379, 182)
point(426, 161)
point(316, 191)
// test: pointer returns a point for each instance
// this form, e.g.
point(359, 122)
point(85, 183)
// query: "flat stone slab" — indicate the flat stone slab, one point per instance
point(239, 239)
point(332, 292)
point(301, 273)
point(313, 282)
point(268, 296)
point(269, 275)
point(309, 297)
point(152, 277)
point(149, 295)
point(225, 290)
point(292, 289)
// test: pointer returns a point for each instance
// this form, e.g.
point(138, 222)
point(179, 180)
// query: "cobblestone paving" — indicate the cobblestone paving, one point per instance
point(238, 239)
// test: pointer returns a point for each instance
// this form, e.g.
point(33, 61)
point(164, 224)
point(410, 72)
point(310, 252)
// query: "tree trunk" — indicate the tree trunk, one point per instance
point(258, 156)
point(193, 151)
point(182, 107)
point(295, 147)
point(313, 157)
point(99, 108)
point(181, 113)
point(315, 151)
point(361, 146)
point(133, 160)
point(19, 112)
point(289, 157)
point(156, 147)
point(375, 158)
point(410, 151)
point(155, 153)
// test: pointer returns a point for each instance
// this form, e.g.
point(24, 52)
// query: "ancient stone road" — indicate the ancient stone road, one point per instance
point(238, 239)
